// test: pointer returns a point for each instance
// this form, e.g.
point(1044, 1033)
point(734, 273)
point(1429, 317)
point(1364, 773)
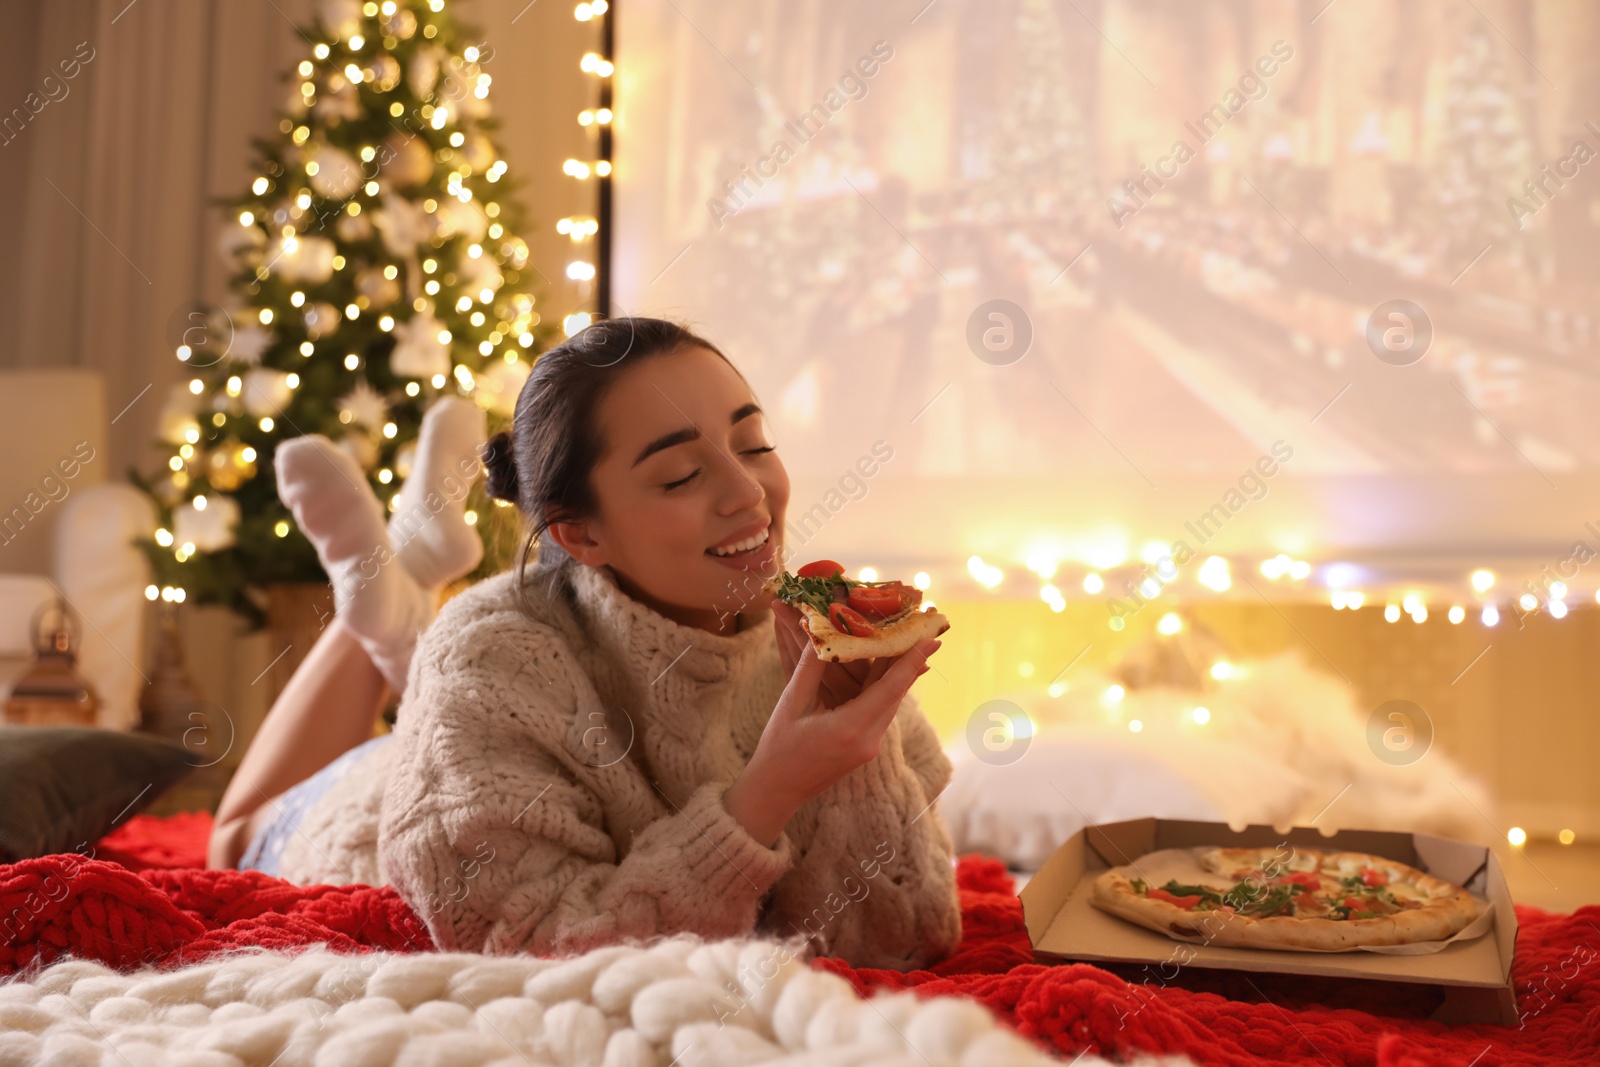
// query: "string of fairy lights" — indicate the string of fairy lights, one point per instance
point(1128, 587)
point(584, 230)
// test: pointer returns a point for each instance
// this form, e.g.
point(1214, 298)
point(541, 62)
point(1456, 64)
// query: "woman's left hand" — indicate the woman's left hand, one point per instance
point(841, 682)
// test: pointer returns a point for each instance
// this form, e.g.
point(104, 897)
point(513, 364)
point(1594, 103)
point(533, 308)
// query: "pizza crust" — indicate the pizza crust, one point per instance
point(891, 639)
point(1447, 910)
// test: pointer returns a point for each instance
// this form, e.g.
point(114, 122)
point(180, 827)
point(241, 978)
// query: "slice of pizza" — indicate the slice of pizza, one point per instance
point(1290, 899)
point(849, 619)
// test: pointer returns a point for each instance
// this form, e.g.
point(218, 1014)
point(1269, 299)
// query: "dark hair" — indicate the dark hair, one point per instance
point(544, 462)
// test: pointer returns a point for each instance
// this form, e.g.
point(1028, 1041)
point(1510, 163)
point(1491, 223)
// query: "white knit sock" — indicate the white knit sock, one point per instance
point(429, 528)
point(336, 509)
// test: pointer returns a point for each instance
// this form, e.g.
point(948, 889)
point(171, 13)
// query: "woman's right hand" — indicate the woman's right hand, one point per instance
point(807, 745)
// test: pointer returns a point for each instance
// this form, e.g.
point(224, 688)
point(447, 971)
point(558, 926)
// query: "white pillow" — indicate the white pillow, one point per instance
point(1021, 812)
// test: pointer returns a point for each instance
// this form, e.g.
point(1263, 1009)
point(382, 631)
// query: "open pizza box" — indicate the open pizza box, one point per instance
point(1473, 975)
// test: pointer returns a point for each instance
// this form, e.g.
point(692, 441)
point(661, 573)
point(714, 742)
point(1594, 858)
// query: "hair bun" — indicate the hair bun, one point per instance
point(502, 468)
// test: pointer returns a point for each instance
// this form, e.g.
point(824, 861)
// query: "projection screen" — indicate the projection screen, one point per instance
point(1100, 276)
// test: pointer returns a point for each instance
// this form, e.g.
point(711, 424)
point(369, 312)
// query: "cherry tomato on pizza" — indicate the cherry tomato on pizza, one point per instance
point(822, 568)
point(1301, 878)
point(848, 621)
point(1372, 904)
point(879, 600)
point(1181, 902)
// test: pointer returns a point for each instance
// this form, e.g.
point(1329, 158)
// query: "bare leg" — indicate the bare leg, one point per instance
point(329, 707)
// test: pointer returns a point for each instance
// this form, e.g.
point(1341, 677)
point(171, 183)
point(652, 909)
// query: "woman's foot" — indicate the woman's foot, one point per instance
point(429, 528)
point(378, 601)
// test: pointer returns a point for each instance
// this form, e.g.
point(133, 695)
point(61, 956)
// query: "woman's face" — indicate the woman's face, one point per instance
point(687, 464)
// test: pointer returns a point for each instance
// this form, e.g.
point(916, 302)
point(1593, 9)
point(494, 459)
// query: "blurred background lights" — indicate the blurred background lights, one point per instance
point(1213, 574)
point(985, 574)
point(1044, 563)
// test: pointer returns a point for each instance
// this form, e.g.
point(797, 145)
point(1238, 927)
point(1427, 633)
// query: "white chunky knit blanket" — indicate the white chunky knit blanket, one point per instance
point(681, 1002)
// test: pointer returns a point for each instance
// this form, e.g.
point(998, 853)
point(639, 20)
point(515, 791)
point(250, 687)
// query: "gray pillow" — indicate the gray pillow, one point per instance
point(62, 787)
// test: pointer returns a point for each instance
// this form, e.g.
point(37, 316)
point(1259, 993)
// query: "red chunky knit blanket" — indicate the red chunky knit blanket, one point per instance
point(141, 897)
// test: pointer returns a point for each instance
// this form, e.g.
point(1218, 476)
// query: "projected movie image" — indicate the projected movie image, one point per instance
point(1123, 238)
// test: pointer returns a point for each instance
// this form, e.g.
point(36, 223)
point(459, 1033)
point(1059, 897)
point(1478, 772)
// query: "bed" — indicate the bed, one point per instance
point(132, 946)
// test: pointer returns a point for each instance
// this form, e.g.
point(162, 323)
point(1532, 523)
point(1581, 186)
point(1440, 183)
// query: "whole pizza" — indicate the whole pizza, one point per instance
point(1294, 899)
point(849, 619)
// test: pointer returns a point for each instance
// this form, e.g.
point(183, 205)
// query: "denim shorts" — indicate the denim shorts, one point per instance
point(266, 848)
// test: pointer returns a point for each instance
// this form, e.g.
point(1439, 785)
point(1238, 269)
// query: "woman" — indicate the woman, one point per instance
point(609, 744)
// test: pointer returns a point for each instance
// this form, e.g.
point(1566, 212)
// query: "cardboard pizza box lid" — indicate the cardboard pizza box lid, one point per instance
point(1474, 976)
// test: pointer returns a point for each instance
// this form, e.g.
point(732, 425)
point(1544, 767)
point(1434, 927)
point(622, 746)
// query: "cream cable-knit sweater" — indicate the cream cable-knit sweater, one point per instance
point(557, 779)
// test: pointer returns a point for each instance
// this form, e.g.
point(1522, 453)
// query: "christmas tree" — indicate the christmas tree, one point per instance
point(376, 267)
point(1034, 141)
point(1484, 150)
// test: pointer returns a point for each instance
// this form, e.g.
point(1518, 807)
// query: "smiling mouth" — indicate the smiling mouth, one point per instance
point(751, 544)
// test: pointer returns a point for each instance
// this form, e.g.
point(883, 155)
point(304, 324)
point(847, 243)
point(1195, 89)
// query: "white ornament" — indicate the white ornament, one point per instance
point(406, 159)
point(249, 342)
point(379, 291)
point(418, 352)
point(404, 225)
point(499, 385)
point(423, 74)
point(464, 219)
point(353, 228)
point(338, 176)
point(321, 320)
point(235, 239)
point(307, 259)
point(339, 17)
point(266, 392)
point(385, 72)
point(209, 529)
point(365, 405)
point(337, 103)
point(480, 273)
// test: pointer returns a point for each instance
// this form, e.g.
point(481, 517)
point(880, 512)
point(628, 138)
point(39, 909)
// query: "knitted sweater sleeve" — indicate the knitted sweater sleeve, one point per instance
point(499, 847)
point(877, 884)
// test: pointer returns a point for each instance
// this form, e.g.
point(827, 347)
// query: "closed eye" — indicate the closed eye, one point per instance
point(686, 479)
point(681, 481)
